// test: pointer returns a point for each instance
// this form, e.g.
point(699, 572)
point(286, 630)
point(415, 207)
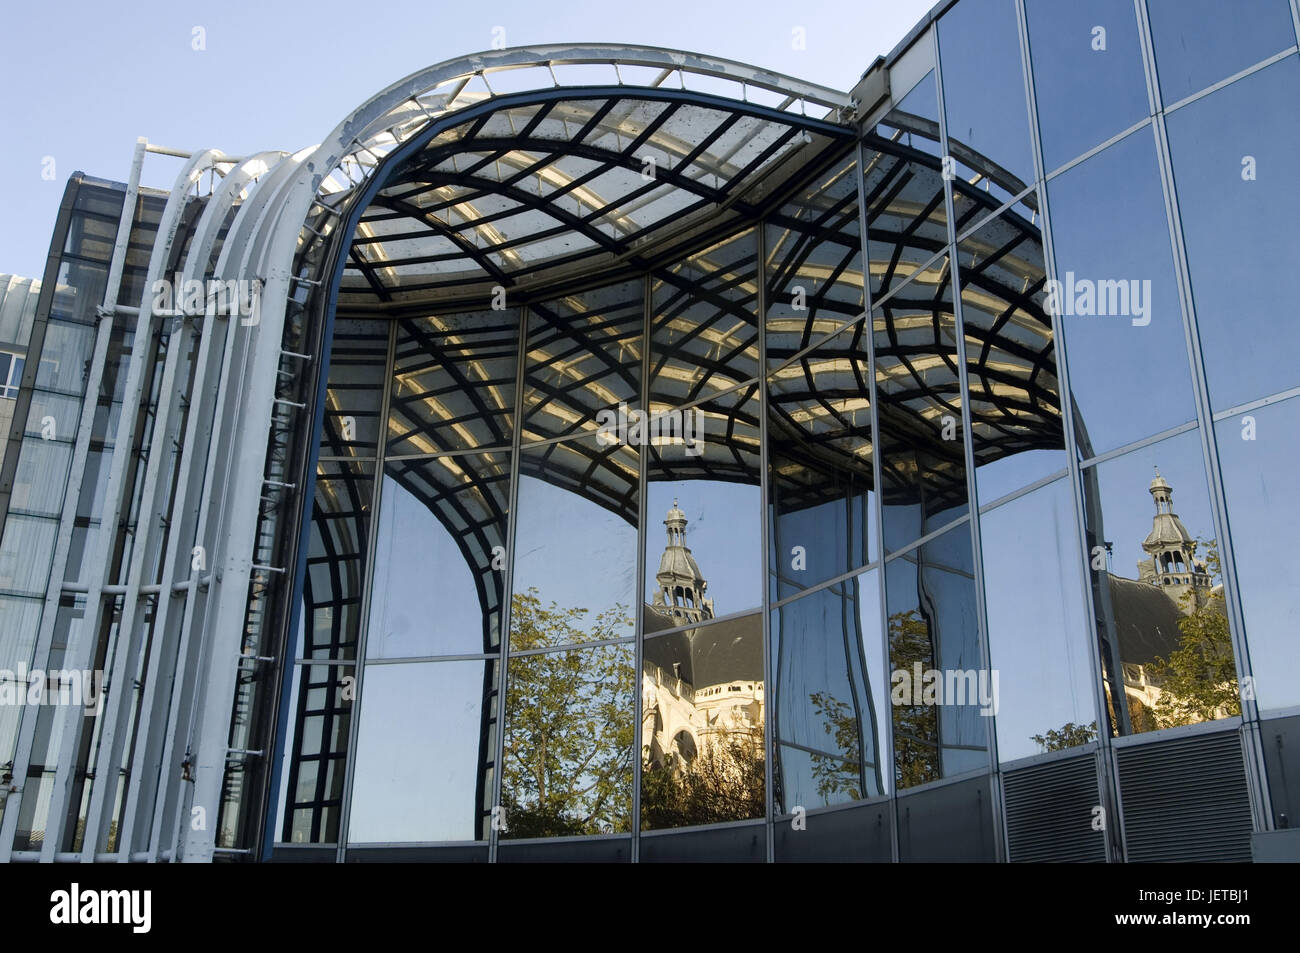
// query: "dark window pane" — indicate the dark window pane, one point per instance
point(830, 696)
point(1242, 244)
point(440, 556)
point(1015, 400)
point(425, 747)
point(1258, 456)
point(315, 754)
point(938, 687)
point(1038, 623)
point(1199, 42)
point(569, 733)
point(336, 560)
point(923, 462)
point(702, 737)
point(1128, 379)
point(575, 544)
point(820, 480)
point(454, 382)
point(358, 356)
point(1157, 588)
point(584, 356)
point(984, 91)
point(1088, 74)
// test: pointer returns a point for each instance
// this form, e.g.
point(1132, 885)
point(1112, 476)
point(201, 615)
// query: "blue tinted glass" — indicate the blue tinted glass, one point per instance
point(830, 695)
point(1088, 75)
point(1234, 156)
point(1199, 42)
point(1129, 373)
point(984, 87)
point(425, 738)
point(1258, 457)
point(1038, 624)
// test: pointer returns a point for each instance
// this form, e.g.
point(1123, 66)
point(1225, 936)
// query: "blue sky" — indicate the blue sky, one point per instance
point(84, 79)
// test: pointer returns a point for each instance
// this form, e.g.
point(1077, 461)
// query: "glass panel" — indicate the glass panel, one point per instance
point(923, 462)
point(575, 545)
point(20, 617)
point(1088, 74)
point(440, 556)
point(719, 570)
point(984, 94)
point(820, 479)
point(315, 754)
point(1199, 42)
point(358, 357)
point(336, 560)
point(1257, 453)
point(830, 696)
point(425, 748)
point(702, 752)
point(907, 221)
point(939, 691)
point(65, 356)
point(454, 382)
point(914, 120)
point(1038, 624)
point(1234, 161)
point(1010, 357)
point(814, 263)
point(1118, 298)
point(584, 357)
point(704, 337)
point(1161, 620)
point(569, 734)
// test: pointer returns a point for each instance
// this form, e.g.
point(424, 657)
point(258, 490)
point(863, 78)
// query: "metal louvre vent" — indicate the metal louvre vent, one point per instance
point(1186, 800)
point(1050, 811)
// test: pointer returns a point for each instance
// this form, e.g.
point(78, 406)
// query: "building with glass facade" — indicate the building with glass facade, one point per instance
point(612, 453)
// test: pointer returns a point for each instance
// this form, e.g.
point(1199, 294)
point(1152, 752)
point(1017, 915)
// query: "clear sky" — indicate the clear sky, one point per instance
point(83, 79)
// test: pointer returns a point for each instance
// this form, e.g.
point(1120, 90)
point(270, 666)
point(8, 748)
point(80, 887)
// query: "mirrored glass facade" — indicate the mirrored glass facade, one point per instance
point(645, 472)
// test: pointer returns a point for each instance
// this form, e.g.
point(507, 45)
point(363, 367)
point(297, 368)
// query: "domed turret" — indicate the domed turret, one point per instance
point(1171, 547)
point(682, 587)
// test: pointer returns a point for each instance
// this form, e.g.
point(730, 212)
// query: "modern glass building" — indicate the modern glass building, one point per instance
point(607, 453)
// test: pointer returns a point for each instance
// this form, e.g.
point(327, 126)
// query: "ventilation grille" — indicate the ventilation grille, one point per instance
point(1050, 812)
point(1186, 800)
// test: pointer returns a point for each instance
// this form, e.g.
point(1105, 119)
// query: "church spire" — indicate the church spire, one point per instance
point(681, 586)
point(1172, 564)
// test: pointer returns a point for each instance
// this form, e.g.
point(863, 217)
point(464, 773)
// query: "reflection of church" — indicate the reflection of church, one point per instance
point(700, 685)
point(1172, 583)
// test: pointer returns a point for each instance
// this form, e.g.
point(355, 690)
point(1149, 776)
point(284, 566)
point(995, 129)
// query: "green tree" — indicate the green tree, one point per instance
point(1067, 736)
point(841, 773)
point(916, 727)
point(725, 781)
point(1198, 682)
point(569, 730)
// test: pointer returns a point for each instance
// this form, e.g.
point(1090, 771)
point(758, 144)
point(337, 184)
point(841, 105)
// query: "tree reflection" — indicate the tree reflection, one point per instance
point(569, 729)
point(841, 773)
point(916, 727)
point(724, 782)
point(1198, 682)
